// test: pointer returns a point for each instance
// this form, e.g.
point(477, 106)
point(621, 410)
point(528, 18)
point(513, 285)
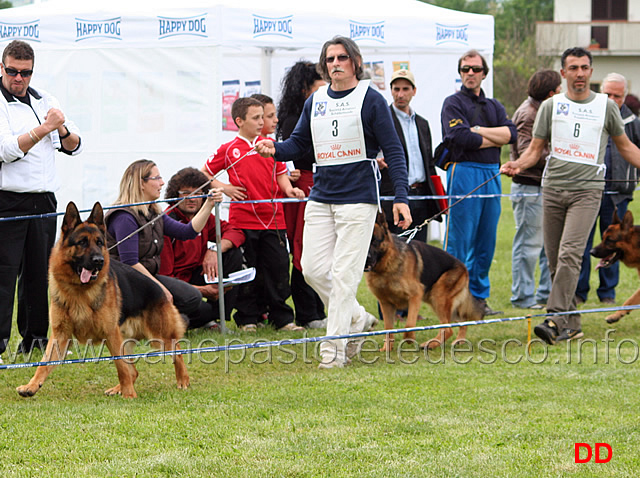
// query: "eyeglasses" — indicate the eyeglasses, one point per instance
point(185, 194)
point(13, 72)
point(476, 69)
point(340, 58)
point(152, 178)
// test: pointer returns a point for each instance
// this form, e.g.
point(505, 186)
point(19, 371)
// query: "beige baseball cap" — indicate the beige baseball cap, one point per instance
point(404, 74)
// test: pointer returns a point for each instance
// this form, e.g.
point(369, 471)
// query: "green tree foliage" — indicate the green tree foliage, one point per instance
point(5, 4)
point(515, 58)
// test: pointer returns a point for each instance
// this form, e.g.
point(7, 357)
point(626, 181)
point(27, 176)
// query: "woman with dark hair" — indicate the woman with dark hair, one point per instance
point(297, 85)
point(141, 182)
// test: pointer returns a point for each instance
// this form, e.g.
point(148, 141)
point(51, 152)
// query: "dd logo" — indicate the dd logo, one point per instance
point(598, 447)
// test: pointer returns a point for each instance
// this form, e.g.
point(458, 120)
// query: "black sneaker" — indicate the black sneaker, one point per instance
point(26, 348)
point(547, 331)
point(486, 310)
point(569, 334)
point(580, 300)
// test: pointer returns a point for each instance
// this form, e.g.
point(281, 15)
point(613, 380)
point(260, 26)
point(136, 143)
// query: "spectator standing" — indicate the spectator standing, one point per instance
point(527, 210)
point(190, 260)
point(256, 178)
point(622, 179)
point(299, 83)
point(32, 128)
point(475, 127)
point(347, 123)
point(577, 124)
point(415, 136)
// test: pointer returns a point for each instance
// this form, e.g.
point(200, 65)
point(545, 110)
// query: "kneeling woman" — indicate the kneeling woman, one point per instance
point(142, 182)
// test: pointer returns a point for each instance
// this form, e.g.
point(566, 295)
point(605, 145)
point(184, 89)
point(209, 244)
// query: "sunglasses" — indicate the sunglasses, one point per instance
point(341, 58)
point(476, 69)
point(13, 72)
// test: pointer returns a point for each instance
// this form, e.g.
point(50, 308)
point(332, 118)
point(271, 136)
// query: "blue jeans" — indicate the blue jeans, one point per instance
point(473, 223)
point(608, 275)
point(528, 249)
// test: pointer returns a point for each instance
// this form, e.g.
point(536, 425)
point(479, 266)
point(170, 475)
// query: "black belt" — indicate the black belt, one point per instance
point(418, 185)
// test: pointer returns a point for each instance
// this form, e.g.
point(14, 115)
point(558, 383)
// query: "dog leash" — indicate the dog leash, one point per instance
point(181, 200)
point(412, 232)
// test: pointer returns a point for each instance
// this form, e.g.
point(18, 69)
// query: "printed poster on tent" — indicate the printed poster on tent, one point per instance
point(230, 93)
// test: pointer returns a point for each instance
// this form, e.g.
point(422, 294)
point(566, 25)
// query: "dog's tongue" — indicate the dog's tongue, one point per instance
point(85, 276)
point(600, 264)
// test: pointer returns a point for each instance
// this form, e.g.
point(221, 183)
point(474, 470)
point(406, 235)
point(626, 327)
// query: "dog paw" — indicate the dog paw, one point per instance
point(26, 391)
point(184, 384)
point(113, 391)
point(613, 318)
point(430, 344)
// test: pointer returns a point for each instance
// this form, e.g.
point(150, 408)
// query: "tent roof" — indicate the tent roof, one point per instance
point(409, 24)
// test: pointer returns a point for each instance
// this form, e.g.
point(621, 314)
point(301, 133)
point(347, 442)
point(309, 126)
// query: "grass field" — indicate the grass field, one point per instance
point(486, 409)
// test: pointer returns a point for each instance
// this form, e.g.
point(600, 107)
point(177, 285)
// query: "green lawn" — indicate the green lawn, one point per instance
point(487, 409)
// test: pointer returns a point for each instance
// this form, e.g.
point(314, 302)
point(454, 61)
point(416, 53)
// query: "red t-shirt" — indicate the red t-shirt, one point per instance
point(258, 176)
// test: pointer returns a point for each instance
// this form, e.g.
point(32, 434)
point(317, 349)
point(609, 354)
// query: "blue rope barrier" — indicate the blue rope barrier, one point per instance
point(304, 340)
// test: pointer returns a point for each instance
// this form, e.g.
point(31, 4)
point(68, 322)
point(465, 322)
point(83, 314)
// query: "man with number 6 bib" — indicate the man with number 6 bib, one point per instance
point(347, 123)
point(577, 124)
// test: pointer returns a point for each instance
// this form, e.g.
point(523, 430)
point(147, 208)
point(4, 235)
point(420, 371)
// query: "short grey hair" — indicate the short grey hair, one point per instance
point(615, 78)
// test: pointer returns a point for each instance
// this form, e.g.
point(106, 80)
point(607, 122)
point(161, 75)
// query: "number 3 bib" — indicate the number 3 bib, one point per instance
point(577, 129)
point(336, 127)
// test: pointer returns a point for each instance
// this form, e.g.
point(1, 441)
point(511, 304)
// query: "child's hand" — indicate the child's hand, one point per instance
point(294, 175)
point(236, 193)
point(296, 193)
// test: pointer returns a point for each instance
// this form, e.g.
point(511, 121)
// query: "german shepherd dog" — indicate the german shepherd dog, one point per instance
point(620, 242)
point(93, 298)
point(403, 275)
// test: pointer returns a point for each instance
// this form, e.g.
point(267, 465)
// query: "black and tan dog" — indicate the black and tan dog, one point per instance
point(93, 298)
point(620, 242)
point(403, 275)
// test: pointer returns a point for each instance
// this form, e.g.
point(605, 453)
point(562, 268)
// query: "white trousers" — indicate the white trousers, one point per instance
point(335, 243)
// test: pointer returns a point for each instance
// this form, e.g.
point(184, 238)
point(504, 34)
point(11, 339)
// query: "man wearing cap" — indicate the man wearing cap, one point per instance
point(415, 137)
point(475, 127)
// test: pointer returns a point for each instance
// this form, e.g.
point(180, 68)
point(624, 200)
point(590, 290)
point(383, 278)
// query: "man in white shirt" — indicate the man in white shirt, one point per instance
point(32, 128)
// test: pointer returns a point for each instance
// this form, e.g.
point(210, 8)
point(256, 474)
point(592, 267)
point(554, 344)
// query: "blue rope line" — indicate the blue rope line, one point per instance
point(277, 343)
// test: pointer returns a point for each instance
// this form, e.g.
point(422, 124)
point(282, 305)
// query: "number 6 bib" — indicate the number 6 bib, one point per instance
point(577, 129)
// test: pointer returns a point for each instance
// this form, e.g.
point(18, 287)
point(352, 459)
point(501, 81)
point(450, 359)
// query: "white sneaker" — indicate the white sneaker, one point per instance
point(317, 324)
point(370, 322)
point(335, 363)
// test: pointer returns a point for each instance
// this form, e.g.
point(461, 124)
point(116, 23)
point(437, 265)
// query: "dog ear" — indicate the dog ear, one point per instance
point(97, 216)
point(71, 218)
point(627, 221)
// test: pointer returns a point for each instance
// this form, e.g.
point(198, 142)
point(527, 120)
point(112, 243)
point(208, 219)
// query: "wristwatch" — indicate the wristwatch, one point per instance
point(476, 128)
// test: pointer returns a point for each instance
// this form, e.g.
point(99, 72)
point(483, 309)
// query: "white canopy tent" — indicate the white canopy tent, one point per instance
point(144, 79)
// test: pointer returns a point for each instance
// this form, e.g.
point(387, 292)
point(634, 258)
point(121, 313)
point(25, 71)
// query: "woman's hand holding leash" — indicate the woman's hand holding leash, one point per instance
point(402, 209)
point(265, 148)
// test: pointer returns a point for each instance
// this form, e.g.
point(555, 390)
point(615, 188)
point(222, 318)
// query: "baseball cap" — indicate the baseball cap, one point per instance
point(405, 74)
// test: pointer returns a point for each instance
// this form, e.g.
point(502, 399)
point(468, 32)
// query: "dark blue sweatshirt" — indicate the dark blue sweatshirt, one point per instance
point(457, 114)
point(352, 183)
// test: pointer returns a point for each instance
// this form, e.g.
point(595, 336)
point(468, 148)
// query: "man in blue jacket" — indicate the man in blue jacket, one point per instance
point(475, 127)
